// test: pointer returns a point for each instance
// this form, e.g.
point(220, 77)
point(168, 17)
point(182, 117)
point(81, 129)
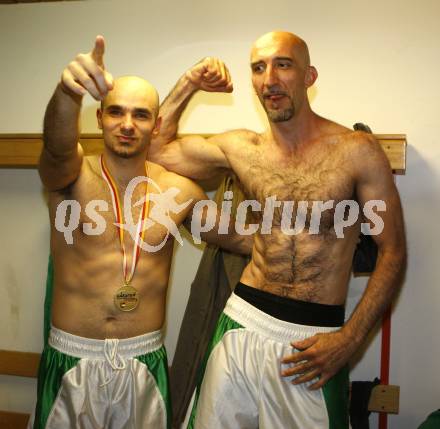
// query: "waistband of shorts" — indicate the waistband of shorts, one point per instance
point(81, 347)
point(292, 310)
point(256, 320)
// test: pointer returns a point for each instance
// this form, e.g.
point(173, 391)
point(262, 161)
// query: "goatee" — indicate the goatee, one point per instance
point(280, 115)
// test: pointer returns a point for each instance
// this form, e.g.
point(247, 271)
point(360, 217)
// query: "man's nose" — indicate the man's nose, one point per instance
point(270, 76)
point(127, 122)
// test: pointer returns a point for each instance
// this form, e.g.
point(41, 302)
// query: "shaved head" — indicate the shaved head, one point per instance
point(134, 86)
point(128, 116)
point(281, 74)
point(299, 48)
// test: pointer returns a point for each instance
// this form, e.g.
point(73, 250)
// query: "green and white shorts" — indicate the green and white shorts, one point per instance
point(112, 383)
point(242, 386)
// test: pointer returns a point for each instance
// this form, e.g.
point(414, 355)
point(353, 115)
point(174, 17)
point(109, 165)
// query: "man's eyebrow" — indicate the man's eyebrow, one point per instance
point(136, 109)
point(256, 63)
point(142, 110)
point(284, 59)
point(113, 106)
point(275, 58)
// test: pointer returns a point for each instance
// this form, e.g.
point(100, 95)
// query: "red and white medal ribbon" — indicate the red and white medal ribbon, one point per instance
point(140, 231)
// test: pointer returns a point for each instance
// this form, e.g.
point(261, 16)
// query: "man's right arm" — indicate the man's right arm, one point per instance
point(192, 156)
point(61, 158)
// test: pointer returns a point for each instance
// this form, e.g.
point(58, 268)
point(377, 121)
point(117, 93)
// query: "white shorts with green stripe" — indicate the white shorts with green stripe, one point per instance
point(242, 384)
point(112, 383)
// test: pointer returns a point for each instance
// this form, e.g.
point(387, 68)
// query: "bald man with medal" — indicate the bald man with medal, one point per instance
point(105, 364)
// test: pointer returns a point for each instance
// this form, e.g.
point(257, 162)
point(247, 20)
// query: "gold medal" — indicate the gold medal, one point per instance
point(126, 298)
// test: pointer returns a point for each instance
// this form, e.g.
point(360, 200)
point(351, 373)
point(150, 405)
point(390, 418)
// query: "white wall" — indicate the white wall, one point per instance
point(379, 64)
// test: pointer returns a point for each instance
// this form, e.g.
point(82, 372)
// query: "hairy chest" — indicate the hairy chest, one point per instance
point(313, 181)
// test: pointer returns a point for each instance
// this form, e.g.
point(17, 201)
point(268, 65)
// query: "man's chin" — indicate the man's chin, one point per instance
point(125, 153)
point(280, 115)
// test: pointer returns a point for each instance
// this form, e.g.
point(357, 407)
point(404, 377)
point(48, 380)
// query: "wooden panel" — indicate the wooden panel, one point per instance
point(394, 145)
point(22, 364)
point(10, 420)
point(384, 399)
point(20, 150)
point(23, 150)
point(30, 1)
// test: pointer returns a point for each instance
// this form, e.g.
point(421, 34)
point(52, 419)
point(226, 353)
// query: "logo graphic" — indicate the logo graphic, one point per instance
point(163, 204)
point(206, 216)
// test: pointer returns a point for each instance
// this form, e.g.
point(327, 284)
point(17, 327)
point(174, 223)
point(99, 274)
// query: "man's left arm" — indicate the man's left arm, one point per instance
point(324, 354)
point(205, 223)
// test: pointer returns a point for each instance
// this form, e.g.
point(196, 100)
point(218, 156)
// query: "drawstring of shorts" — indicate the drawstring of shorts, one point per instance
point(113, 358)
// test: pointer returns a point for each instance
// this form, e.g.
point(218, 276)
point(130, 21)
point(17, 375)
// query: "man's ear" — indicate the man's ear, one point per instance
point(311, 76)
point(99, 118)
point(157, 126)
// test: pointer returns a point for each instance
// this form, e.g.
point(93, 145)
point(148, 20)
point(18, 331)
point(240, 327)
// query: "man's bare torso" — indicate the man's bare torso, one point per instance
point(89, 272)
point(309, 267)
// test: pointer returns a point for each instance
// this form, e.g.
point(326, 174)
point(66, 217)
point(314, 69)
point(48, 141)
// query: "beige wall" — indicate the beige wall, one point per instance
point(378, 63)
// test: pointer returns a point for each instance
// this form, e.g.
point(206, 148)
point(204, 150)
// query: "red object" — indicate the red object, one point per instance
point(385, 360)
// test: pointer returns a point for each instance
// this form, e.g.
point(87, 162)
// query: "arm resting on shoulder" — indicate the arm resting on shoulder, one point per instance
point(204, 223)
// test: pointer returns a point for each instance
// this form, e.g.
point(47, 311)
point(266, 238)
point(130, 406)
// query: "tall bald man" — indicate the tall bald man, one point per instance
point(105, 365)
point(278, 356)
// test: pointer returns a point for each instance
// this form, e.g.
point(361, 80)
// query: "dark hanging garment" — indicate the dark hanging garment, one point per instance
point(218, 273)
point(365, 254)
point(360, 396)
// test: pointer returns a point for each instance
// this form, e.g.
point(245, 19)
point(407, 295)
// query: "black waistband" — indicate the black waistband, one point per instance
point(292, 310)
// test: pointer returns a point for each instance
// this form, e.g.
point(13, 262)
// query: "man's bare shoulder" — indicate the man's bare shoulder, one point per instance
point(328, 132)
point(364, 151)
point(361, 142)
point(237, 137)
point(356, 143)
point(333, 128)
point(92, 163)
point(166, 179)
point(89, 173)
